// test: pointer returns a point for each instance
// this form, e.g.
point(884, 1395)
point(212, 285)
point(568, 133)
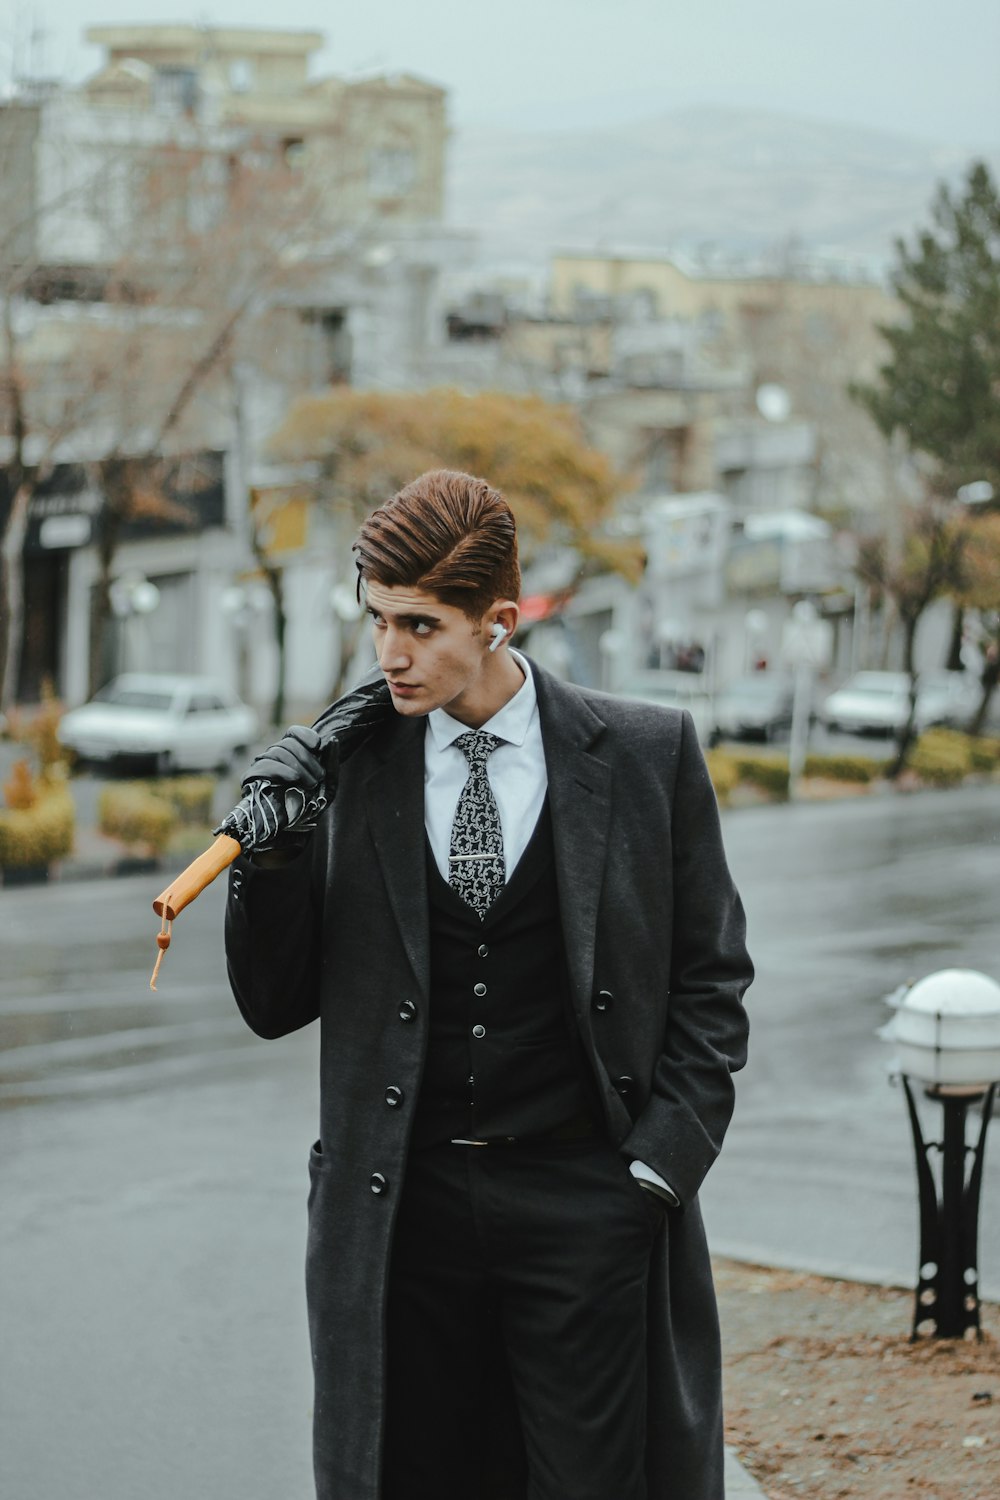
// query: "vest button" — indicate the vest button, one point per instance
point(377, 1183)
point(604, 1001)
point(479, 1031)
point(483, 951)
point(393, 1096)
point(479, 989)
point(625, 1084)
point(407, 1011)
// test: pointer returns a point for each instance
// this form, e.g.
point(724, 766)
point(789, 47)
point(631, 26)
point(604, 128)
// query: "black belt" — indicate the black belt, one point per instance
point(580, 1128)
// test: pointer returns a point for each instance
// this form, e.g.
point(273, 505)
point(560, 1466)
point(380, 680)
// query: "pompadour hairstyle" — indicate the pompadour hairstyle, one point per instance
point(447, 533)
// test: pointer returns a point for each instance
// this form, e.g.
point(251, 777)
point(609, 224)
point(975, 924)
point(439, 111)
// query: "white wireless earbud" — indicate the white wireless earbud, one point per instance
point(498, 632)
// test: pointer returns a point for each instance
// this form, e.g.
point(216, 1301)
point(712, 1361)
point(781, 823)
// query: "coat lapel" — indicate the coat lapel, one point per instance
point(395, 804)
point(580, 801)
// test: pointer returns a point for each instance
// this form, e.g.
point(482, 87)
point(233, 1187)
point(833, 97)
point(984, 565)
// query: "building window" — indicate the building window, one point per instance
point(176, 88)
point(329, 349)
point(241, 75)
point(293, 149)
point(392, 172)
point(660, 464)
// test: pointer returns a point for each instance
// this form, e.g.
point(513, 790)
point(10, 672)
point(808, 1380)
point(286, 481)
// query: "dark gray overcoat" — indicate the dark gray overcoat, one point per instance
point(654, 935)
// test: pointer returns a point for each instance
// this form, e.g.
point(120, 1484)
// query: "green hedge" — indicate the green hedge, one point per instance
point(129, 811)
point(769, 772)
point(191, 797)
point(942, 757)
point(984, 753)
point(722, 769)
point(859, 768)
point(38, 834)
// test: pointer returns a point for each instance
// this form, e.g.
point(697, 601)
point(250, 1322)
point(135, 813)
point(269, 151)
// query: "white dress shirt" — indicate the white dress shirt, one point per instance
point(516, 772)
point(517, 776)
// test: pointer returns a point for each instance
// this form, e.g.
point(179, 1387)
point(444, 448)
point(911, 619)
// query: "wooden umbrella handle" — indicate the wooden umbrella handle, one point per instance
point(200, 873)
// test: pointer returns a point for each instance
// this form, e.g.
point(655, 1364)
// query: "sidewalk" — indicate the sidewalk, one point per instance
point(739, 1484)
point(826, 1397)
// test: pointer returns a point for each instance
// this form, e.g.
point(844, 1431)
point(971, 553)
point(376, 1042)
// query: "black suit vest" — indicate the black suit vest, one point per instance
point(503, 1058)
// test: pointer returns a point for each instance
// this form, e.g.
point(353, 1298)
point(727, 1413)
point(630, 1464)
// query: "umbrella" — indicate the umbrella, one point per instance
point(267, 812)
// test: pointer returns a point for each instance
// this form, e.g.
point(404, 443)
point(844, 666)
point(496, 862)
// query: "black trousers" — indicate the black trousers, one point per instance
point(533, 1258)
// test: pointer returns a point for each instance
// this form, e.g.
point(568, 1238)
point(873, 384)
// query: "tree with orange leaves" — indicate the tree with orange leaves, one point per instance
point(370, 443)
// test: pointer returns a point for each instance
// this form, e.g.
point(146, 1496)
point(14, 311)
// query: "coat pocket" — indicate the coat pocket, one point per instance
point(316, 1164)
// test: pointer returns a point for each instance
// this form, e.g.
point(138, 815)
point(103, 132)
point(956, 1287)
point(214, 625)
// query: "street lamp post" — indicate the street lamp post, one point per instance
point(754, 629)
point(133, 596)
point(805, 647)
point(946, 1032)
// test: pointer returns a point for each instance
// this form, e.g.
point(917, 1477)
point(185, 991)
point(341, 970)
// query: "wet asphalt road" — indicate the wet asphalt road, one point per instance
point(845, 901)
point(153, 1162)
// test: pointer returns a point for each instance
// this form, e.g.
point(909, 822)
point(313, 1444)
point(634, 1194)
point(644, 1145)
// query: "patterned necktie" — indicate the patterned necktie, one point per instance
point(475, 857)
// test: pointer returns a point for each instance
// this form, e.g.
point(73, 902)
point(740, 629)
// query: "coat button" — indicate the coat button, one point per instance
point(393, 1096)
point(479, 989)
point(483, 951)
point(604, 1001)
point(479, 1031)
point(407, 1011)
point(377, 1183)
point(625, 1084)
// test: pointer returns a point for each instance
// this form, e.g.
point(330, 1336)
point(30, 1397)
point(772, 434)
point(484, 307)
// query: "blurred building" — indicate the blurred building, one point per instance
point(801, 338)
point(109, 190)
point(174, 107)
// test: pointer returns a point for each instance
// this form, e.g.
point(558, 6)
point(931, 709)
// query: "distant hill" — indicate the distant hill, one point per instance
point(730, 181)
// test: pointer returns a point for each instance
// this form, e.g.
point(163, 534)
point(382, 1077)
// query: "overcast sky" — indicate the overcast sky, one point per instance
point(923, 67)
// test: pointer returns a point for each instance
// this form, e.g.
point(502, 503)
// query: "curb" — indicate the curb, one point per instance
point(68, 871)
point(739, 1484)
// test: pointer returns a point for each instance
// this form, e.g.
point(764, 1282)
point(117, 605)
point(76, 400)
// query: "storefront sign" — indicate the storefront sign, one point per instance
point(56, 532)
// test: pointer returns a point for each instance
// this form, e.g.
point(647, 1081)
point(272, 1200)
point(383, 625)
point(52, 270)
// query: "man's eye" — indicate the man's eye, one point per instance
point(421, 628)
point(378, 622)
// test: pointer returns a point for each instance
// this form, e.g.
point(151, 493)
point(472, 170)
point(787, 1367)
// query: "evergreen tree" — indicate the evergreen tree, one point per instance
point(941, 385)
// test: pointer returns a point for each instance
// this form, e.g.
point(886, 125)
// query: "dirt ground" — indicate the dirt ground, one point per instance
point(826, 1396)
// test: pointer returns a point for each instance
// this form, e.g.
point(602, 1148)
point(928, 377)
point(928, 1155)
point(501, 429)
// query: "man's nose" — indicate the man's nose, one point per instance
point(395, 654)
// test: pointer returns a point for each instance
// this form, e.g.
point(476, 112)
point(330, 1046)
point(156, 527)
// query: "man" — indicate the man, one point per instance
point(516, 924)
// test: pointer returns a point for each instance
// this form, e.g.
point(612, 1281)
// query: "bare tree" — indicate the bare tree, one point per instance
point(980, 591)
point(924, 565)
point(137, 376)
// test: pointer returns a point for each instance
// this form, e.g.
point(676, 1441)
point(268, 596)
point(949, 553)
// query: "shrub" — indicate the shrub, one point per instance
point(135, 815)
point(769, 772)
point(191, 797)
point(942, 757)
point(722, 769)
point(984, 754)
point(20, 790)
point(39, 833)
point(860, 768)
point(40, 729)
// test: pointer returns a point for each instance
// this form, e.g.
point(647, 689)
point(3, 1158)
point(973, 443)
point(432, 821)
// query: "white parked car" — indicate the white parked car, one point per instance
point(948, 697)
point(879, 702)
point(676, 690)
point(755, 707)
point(180, 723)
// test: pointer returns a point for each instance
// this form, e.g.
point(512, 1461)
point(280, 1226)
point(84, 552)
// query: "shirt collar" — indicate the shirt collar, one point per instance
point(510, 723)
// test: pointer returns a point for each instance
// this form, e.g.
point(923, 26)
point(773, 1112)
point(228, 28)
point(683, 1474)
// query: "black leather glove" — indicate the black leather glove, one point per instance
point(285, 789)
point(292, 762)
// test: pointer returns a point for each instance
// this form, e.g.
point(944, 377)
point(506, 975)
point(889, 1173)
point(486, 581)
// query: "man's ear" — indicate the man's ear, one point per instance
point(501, 622)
